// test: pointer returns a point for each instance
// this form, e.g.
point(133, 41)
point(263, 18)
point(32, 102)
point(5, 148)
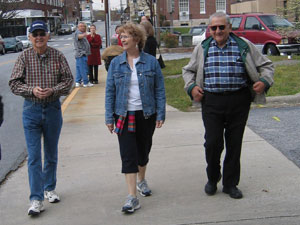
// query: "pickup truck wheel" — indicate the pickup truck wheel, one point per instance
point(271, 50)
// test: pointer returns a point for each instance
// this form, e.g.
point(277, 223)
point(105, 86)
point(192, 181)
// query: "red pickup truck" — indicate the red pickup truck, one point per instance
point(263, 30)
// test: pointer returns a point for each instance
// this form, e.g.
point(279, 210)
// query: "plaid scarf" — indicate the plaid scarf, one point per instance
point(121, 121)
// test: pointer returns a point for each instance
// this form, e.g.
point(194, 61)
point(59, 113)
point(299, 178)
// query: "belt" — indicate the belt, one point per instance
point(226, 93)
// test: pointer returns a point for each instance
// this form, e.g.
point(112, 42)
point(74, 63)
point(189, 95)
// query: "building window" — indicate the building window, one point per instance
point(202, 6)
point(32, 0)
point(221, 5)
point(38, 1)
point(183, 5)
point(43, 1)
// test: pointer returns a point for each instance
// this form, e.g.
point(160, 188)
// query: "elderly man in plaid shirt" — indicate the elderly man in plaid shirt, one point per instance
point(41, 75)
point(225, 74)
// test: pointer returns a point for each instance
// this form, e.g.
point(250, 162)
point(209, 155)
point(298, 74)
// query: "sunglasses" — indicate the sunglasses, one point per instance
point(41, 34)
point(221, 27)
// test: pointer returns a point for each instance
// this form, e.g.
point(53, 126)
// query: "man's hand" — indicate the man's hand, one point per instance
point(42, 93)
point(110, 127)
point(159, 123)
point(197, 93)
point(259, 87)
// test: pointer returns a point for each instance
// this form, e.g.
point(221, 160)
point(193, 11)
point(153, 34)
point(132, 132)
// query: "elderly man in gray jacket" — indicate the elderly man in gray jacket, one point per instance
point(225, 74)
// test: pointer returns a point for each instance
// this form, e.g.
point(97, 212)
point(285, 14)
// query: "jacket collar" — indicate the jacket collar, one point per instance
point(142, 57)
point(243, 46)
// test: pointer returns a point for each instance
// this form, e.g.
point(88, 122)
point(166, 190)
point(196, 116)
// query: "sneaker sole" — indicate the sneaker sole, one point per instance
point(143, 194)
point(34, 213)
point(130, 211)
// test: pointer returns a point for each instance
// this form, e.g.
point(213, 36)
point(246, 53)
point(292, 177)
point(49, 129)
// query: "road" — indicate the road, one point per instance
point(11, 132)
point(280, 127)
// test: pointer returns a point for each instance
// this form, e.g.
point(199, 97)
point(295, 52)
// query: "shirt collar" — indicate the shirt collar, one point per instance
point(124, 57)
point(229, 41)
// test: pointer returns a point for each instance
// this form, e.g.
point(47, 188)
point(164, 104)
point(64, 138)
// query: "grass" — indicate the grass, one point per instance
point(175, 94)
point(174, 67)
point(182, 30)
point(286, 81)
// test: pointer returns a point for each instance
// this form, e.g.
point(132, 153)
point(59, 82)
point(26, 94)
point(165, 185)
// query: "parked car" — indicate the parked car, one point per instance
point(65, 29)
point(13, 44)
point(24, 39)
point(73, 27)
point(2, 46)
point(265, 31)
point(198, 33)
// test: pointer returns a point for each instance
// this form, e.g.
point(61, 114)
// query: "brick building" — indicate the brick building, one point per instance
point(192, 12)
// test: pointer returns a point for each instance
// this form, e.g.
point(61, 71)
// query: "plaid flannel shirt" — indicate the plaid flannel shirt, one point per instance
point(50, 70)
point(224, 68)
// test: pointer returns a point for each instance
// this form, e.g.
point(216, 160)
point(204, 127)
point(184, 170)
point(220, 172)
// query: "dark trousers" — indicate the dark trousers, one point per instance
point(135, 146)
point(225, 116)
point(93, 76)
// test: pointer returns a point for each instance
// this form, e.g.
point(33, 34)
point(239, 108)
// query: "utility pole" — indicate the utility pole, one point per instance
point(157, 22)
point(107, 23)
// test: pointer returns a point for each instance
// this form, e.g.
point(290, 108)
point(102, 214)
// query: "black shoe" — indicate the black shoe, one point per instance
point(95, 82)
point(233, 192)
point(210, 188)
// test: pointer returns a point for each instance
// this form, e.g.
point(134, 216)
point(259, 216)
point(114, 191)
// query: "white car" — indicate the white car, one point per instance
point(198, 33)
point(24, 39)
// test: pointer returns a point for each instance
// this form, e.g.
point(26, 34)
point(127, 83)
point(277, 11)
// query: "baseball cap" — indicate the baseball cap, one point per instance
point(38, 25)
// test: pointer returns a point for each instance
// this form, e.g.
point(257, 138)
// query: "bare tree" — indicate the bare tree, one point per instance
point(9, 9)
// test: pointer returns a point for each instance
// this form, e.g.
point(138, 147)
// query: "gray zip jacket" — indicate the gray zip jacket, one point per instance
point(258, 67)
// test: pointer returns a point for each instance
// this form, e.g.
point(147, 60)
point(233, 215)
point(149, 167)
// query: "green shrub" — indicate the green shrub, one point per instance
point(170, 40)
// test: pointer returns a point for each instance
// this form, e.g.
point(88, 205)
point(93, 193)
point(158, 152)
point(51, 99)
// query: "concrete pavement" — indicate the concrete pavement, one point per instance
point(93, 190)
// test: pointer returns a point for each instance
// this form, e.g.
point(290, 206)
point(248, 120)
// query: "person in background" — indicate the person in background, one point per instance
point(151, 44)
point(42, 117)
point(117, 35)
point(135, 101)
point(225, 74)
point(111, 52)
point(146, 18)
point(82, 50)
point(94, 59)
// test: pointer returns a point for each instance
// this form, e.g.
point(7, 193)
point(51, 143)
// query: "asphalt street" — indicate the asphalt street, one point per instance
point(280, 127)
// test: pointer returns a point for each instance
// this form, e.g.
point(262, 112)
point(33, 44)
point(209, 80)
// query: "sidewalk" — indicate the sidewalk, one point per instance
point(93, 190)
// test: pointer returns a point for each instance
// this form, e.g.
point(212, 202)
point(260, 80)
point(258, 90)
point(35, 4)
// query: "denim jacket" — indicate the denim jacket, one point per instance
point(151, 85)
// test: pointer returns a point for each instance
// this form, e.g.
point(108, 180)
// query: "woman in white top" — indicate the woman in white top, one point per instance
point(135, 104)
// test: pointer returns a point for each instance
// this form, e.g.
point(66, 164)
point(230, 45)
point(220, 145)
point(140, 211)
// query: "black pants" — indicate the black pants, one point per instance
point(225, 116)
point(135, 146)
point(93, 76)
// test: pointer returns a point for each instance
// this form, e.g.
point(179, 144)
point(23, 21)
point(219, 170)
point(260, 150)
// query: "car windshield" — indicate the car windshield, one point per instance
point(197, 30)
point(23, 38)
point(273, 22)
point(9, 40)
point(64, 26)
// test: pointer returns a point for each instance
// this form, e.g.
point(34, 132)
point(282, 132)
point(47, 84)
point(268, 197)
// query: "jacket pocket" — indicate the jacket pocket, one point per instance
point(150, 78)
point(119, 78)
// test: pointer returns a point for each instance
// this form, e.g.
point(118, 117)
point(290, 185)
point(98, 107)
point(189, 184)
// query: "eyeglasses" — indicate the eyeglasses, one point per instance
point(221, 27)
point(41, 34)
point(124, 36)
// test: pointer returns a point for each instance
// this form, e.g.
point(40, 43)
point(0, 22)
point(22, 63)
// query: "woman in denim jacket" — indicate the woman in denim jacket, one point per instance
point(135, 103)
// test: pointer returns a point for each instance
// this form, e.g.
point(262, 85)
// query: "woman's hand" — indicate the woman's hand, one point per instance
point(159, 123)
point(110, 127)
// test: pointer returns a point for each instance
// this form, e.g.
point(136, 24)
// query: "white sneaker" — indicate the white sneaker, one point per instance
point(77, 84)
point(52, 196)
point(88, 85)
point(36, 207)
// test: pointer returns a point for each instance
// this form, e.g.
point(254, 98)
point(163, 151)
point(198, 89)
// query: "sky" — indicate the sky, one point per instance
point(113, 4)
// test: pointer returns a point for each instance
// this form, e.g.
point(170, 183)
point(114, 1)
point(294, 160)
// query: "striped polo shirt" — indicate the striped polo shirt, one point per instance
point(224, 69)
